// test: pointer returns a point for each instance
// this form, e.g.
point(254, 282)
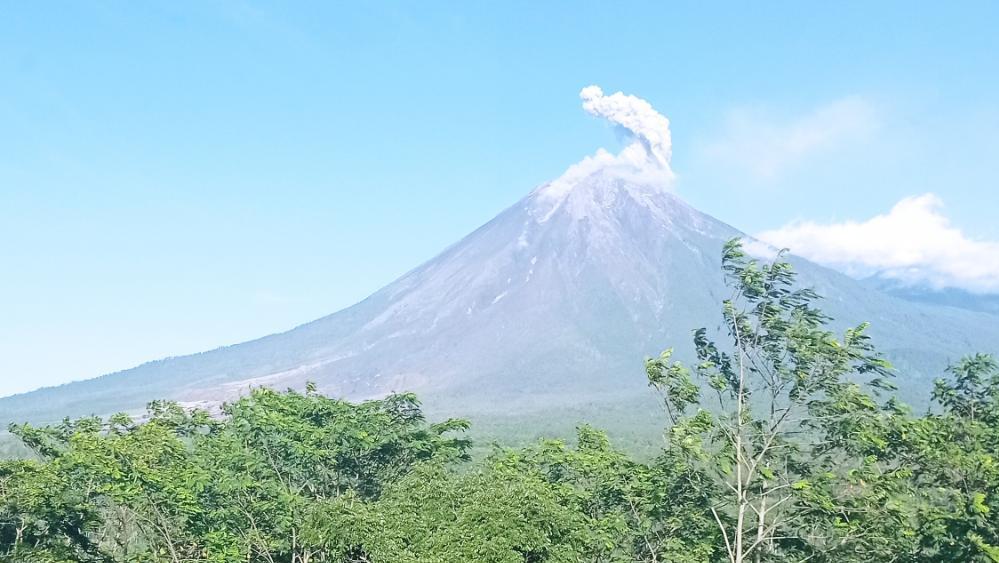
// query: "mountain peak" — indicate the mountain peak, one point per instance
point(641, 168)
point(599, 195)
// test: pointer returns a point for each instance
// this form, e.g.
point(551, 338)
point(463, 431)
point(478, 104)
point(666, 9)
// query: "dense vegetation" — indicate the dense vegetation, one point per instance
point(784, 444)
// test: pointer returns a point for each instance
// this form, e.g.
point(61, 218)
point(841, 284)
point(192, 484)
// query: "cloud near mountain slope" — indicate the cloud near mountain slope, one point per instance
point(914, 243)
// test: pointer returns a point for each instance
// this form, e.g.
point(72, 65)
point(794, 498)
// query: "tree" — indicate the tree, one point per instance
point(786, 409)
point(635, 511)
point(488, 513)
point(281, 457)
point(182, 486)
point(545, 503)
point(953, 453)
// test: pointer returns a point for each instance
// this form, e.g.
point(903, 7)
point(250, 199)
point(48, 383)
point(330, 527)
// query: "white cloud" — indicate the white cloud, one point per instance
point(764, 148)
point(646, 158)
point(914, 243)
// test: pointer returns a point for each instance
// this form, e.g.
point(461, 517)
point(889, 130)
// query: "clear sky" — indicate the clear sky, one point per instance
point(176, 176)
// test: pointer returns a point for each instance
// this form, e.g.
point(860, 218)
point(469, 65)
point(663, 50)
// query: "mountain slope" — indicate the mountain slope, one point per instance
point(950, 297)
point(546, 311)
point(552, 304)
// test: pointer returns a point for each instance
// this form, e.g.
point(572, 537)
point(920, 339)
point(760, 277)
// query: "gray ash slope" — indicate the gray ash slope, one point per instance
point(551, 305)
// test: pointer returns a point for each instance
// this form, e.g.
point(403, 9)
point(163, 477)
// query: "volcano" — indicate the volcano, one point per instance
point(548, 308)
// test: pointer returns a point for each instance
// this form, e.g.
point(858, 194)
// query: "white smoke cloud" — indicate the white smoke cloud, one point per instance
point(646, 158)
point(913, 243)
point(648, 126)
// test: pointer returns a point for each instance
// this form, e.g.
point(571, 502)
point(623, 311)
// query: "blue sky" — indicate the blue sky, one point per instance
point(178, 176)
